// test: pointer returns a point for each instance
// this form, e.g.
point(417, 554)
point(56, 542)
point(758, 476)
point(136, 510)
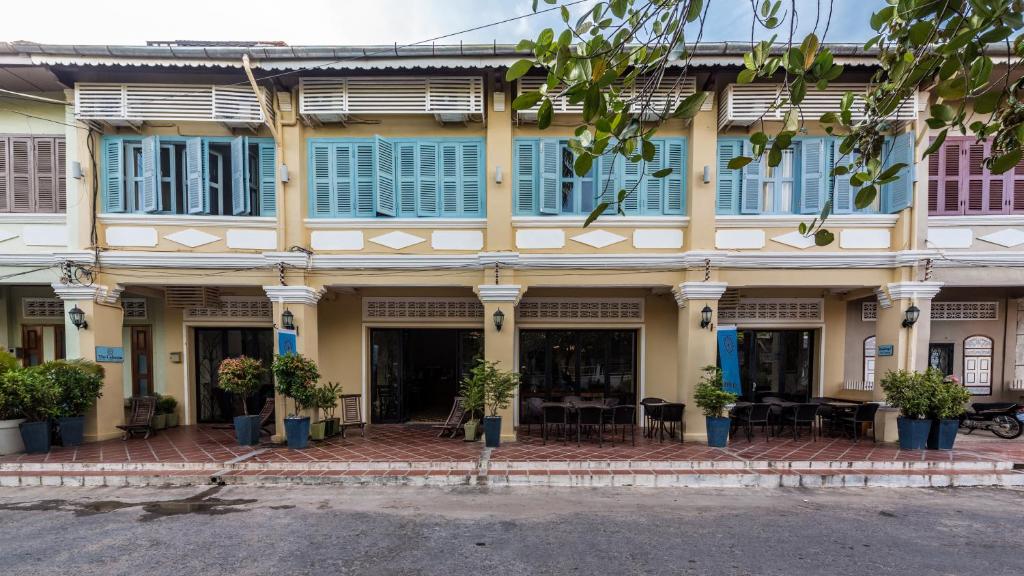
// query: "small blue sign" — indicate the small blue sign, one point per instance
point(112, 354)
point(885, 349)
point(286, 341)
point(728, 355)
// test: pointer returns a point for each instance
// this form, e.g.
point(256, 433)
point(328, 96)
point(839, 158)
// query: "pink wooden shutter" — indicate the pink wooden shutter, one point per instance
point(944, 171)
point(5, 187)
point(45, 175)
point(21, 175)
point(1015, 188)
point(985, 191)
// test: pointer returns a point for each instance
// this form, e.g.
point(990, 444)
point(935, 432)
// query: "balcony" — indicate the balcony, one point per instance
point(134, 104)
point(448, 98)
point(745, 104)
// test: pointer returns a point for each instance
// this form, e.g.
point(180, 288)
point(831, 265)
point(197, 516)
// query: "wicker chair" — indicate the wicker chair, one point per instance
point(556, 415)
point(267, 415)
point(140, 421)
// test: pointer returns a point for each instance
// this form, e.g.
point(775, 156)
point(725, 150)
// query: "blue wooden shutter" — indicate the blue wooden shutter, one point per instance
point(900, 194)
point(750, 195)
point(322, 179)
point(525, 177)
point(365, 182)
point(632, 182)
point(472, 179)
point(449, 179)
point(240, 176)
point(654, 188)
point(609, 180)
point(427, 179)
point(385, 201)
point(197, 198)
point(268, 179)
point(150, 174)
point(406, 178)
point(842, 190)
point(343, 183)
point(550, 164)
point(675, 183)
point(729, 181)
point(113, 175)
point(812, 175)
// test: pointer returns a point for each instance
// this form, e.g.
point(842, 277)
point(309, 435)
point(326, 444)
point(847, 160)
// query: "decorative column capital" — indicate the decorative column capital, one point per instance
point(294, 294)
point(94, 293)
point(912, 290)
point(687, 291)
point(500, 293)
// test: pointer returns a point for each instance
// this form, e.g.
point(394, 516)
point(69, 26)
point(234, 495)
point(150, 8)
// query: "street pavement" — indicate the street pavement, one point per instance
point(290, 530)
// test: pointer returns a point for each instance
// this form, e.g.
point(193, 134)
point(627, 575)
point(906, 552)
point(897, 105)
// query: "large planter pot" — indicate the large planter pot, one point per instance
point(36, 436)
point(718, 432)
point(172, 420)
point(159, 421)
point(332, 427)
point(297, 432)
point(472, 429)
point(492, 431)
point(317, 430)
point(942, 434)
point(913, 432)
point(247, 430)
point(72, 430)
point(10, 437)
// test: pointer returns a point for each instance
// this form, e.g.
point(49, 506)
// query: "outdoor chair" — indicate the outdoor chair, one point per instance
point(864, 414)
point(760, 414)
point(456, 418)
point(738, 418)
point(140, 420)
point(533, 413)
point(624, 415)
point(648, 411)
point(670, 415)
point(556, 415)
point(267, 415)
point(590, 418)
point(802, 416)
point(351, 414)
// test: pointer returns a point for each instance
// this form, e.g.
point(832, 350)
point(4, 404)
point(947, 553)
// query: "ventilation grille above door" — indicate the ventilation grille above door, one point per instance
point(42, 308)
point(581, 310)
point(776, 311)
point(235, 309)
point(427, 309)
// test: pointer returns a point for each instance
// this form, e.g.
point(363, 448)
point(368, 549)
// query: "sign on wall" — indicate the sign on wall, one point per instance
point(885, 350)
point(286, 341)
point(112, 354)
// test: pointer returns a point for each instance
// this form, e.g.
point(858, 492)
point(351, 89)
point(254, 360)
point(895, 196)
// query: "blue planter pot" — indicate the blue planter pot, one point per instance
point(942, 434)
point(72, 430)
point(247, 430)
point(36, 436)
point(913, 433)
point(492, 431)
point(718, 432)
point(297, 432)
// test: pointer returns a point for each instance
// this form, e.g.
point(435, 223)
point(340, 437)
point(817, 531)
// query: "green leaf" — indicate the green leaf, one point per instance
point(662, 173)
point(802, 228)
point(774, 156)
point(739, 162)
point(759, 139)
point(954, 88)
point(598, 210)
point(943, 112)
point(618, 8)
point(518, 69)
point(797, 91)
point(987, 102)
point(881, 17)
point(828, 118)
point(526, 100)
point(865, 196)
point(920, 31)
point(690, 105)
point(647, 151)
point(544, 114)
point(1001, 164)
point(892, 171)
point(936, 143)
point(809, 47)
point(591, 103)
point(583, 164)
point(791, 121)
point(693, 11)
point(823, 237)
point(565, 14)
point(746, 76)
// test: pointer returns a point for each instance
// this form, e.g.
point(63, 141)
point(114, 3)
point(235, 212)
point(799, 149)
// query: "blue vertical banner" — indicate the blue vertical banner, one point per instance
point(728, 355)
point(285, 341)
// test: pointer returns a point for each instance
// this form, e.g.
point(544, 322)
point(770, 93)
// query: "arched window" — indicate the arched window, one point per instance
point(978, 365)
point(869, 362)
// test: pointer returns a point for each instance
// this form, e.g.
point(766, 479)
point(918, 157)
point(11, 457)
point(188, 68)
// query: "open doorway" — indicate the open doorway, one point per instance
point(213, 345)
point(776, 363)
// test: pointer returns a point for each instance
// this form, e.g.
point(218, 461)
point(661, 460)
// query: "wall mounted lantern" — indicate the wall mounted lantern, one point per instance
point(705, 316)
point(77, 316)
point(499, 319)
point(910, 316)
point(287, 320)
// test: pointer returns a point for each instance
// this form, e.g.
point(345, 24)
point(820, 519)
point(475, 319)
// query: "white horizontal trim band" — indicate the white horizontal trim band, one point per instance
point(176, 220)
point(976, 220)
point(40, 218)
point(792, 221)
point(602, 222)
point(419, 223)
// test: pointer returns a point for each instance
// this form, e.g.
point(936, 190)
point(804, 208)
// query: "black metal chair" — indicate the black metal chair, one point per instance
point(759, 414)
point(556, 416)
point(590, 418)
point(802, 416)
point(864, 414)
point(624, 415)
point(648, 411)
point(533, 413)
point(671, 415)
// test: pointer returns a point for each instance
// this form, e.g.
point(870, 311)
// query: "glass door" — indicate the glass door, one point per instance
point(776, 364)
point(213, 345)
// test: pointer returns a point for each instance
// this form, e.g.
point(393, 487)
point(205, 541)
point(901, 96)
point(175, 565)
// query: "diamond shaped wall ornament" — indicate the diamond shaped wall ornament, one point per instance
point(397, 240)
point(598, 238)
point(1009, 237)
point(191, 237)
point(795, 239)
point(7, 235)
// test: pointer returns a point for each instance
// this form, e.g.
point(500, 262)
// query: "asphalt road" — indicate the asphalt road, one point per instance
point(329, 530)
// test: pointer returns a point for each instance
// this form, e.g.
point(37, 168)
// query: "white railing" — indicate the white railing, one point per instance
point(135, 103)
point(334, 98)
point(666, 96)
point(744, 104)
point(858, 385)
point(1015, 384)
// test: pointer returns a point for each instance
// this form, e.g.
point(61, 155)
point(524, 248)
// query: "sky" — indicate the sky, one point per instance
point(308, 22)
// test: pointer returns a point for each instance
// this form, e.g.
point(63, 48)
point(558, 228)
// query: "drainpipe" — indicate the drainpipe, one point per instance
point(279, 145)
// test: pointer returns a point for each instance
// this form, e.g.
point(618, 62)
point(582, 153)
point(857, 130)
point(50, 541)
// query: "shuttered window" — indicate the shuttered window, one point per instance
point(959, 183)
point(545, 183)
point(396, 177)
point(221, 176)
point(32, 174)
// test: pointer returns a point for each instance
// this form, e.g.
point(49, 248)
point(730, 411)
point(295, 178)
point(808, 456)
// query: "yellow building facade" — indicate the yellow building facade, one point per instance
point(393, 203)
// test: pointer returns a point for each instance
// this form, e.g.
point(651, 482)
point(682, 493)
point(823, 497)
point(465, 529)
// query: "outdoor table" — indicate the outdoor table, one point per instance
point(839, 408)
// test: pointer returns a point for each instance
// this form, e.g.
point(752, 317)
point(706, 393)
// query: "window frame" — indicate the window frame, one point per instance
point(991, 361)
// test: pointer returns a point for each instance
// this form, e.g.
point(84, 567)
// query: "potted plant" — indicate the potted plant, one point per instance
point(10, 415)
point(329, 404)
point(712, 399)
point(243, 377)
point(37, 398)
point(910, 392)
point(295, 376)
point(167, 405)
point(472, 392)
point(80, 383)
point(948, 399)
point(498, 388)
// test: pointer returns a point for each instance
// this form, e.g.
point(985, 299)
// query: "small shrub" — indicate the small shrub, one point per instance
point(242, 376)
point(296, 376)
point(948, 399)
point(30, 394)
point(472, 391)
point(911, 392)
point(709, 394)
point(166, 404)
point(80, 383)
point(327, 399)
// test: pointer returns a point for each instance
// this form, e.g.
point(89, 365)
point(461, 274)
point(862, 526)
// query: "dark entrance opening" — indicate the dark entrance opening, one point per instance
point(776, 363)
point(213, 345)
point(415, 373)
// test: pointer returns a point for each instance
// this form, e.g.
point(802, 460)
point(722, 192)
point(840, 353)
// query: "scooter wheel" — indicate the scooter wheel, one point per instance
point(1006, 427)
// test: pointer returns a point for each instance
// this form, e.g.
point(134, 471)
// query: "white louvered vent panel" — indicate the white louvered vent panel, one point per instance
point(322, 96)
point(744, 104)
point(141, 102)
point(335, 97)
point(667, 93)
point(455, 95)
